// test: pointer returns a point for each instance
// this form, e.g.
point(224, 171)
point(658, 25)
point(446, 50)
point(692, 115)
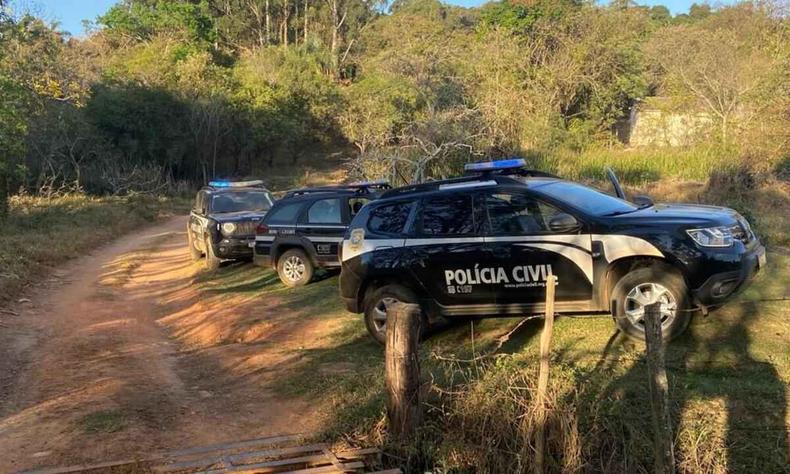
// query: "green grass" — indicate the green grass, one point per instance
point(104, 421)
point(637, 166)
point(41, 233)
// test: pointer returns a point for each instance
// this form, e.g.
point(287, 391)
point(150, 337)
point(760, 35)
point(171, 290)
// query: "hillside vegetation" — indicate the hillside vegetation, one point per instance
point(165, 94)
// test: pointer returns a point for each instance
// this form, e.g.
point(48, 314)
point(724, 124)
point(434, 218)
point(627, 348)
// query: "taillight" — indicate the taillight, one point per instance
point(262, 229)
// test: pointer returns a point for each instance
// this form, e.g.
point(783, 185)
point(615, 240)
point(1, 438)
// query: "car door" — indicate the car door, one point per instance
point(519, 235)
point(197, 220)
point(448, 252)
point(323, 224)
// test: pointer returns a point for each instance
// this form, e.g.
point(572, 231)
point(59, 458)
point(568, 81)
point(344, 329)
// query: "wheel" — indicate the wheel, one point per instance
point(212, 261)
point(376, 309)
point(643, 286)
point(295, 268)
point(194, 253)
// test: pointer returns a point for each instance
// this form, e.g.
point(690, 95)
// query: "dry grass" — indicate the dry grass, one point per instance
point(41, 233)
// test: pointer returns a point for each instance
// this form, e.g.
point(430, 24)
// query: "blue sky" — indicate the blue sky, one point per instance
point(70, 13)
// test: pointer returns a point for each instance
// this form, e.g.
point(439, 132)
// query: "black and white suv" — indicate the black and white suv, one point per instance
point(223, 219)
point(484, 244)
point(304, 229)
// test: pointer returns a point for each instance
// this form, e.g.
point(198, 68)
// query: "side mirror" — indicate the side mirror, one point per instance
point(564, 223)
point(642, 200)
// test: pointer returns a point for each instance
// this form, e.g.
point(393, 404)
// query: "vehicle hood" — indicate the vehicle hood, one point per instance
point(691, 214)
point(237, 216)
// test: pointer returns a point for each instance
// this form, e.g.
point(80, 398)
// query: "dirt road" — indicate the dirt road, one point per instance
point(91, 371)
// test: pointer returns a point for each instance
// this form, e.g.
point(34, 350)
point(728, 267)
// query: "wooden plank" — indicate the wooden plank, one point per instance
point(207, 463)
point(332, 459)
point(358, 453)
point(236, 445)
point(273, 466)
point(351, 466)
point(237, 459)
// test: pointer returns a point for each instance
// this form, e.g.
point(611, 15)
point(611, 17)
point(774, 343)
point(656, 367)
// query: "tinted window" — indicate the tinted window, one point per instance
point(241, 201)
point(355, 205)
point(449, 215)
point(325, 211)
point(517, 214)
point(586, 199)
point(389, 219)
point(285, 214)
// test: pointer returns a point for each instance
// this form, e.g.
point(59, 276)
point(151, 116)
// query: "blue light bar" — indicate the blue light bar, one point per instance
point(235, 184)
point(370, 183)
point(496, 165)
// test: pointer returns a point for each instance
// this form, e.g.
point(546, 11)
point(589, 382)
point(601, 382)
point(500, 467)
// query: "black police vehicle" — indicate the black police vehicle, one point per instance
point(223, 220)
point(484, 245)
point(304, 229)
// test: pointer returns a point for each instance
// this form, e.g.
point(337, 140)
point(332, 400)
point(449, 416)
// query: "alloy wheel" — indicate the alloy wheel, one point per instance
point(645, 294)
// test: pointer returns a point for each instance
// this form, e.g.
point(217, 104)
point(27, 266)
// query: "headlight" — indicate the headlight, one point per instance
point(712, 236)
point(228, 228)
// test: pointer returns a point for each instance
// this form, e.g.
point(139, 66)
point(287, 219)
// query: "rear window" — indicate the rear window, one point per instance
point(284, 214)
point(390, 218)
point(588, 200)
point(449, 215)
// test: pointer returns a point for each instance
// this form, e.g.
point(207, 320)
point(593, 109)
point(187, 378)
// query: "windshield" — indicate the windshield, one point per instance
point(588, 200)
point(241, 201)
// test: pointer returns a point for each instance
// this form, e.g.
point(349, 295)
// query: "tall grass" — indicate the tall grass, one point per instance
point(638, 166)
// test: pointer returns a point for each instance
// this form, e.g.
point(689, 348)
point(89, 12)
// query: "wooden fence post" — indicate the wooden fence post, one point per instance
point(659, 391)
point(402, 369)
point(543, 377)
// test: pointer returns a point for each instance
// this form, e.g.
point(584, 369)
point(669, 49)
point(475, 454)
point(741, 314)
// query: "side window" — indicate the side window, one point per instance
point(390, 219)
point(449, 216)
point(325, 211)
point(285, 214)
point(355, 205)
point(516, 213)
point(198, 200)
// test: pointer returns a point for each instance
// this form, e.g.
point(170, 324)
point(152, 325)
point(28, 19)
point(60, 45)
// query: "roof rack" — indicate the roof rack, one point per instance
point(359, 188)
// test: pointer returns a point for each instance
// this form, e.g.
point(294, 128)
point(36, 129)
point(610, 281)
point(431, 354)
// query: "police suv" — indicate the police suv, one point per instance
point(484, 245)
point(223, 220)
point(304, 229)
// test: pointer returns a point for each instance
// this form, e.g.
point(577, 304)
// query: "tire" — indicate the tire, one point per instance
point(212, 261)
point(194, 253)
point(295, 268)
point(375, 309)
point(642, 286)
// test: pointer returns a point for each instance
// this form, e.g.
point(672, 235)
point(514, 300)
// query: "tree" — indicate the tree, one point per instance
point(717, 69)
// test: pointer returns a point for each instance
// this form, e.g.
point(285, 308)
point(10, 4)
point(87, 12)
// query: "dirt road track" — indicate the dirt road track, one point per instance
point(88, 373)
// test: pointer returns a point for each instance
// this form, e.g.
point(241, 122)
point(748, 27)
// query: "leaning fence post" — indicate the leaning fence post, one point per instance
point(402, 369)
point(659, 391)
point(543, 376)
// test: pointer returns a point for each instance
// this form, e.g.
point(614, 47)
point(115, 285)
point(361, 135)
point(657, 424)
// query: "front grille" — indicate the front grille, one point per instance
point(245, 228)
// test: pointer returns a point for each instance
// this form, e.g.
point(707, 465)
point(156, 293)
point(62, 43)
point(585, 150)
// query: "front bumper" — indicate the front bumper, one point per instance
point(231, 247)
point(722, 286)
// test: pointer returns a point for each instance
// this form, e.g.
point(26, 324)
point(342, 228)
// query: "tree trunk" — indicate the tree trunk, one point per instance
point(333, 47)
point(3, 193)
point(402, 370)
point(268, 23)
point(306, 9)
point(286, 14)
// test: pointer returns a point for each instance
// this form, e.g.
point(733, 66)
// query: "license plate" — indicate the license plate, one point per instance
point(761, 259)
